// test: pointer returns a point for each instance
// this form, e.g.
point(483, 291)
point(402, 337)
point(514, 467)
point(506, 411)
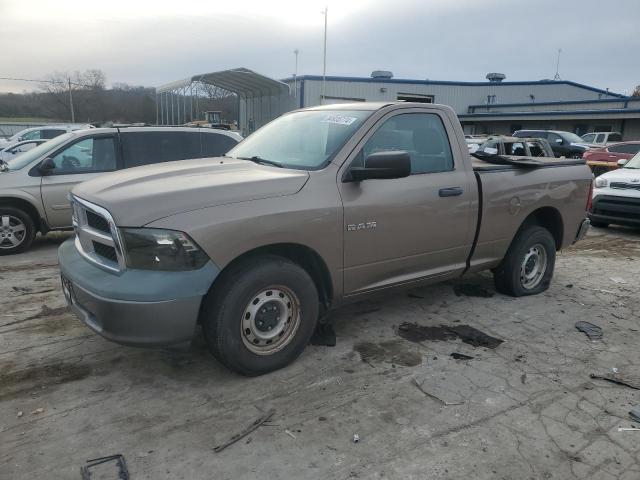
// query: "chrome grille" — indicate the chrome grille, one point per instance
point(97, 237)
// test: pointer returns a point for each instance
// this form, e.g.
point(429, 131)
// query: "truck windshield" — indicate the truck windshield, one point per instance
point(305, 140)
point(26, 158)
point(572, 137)
point(634, 162)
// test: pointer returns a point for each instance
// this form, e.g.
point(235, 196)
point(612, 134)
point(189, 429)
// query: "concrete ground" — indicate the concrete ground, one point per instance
point(527, 409)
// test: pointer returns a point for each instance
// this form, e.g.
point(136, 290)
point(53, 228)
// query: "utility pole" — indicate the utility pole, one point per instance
point(295, 75)
point(324, 61)
point(73, 115)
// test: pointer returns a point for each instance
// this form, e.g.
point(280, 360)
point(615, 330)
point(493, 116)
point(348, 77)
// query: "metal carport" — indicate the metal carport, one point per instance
point(260, 98)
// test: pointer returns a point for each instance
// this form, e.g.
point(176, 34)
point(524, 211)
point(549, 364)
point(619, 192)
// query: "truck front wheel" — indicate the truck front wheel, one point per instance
point(17, 230)
point(528, 266)
point(260, 315)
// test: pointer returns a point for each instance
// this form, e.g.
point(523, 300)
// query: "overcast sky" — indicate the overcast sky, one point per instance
point(153, 42)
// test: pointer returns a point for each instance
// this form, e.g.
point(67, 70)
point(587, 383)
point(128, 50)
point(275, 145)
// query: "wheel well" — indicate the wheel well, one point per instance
point(549, 218)
point(26, 207)
point(304, 256)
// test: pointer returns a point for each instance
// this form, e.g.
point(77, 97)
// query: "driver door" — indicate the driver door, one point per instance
point(78, 162)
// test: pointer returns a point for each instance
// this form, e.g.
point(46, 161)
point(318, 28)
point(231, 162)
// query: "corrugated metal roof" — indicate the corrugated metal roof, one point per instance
point(241, 81)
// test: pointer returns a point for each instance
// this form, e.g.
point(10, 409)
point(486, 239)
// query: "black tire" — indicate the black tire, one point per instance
point(599, 224)
point(226, 309)
point(508, 276)
point(9, 234)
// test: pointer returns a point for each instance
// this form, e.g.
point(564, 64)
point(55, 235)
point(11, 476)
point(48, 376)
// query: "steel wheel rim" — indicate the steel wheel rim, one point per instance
point(13, 232)
point(270, 320)
point(533, 267)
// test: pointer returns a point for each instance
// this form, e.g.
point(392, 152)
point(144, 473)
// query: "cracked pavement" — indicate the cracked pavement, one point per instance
point(528, 408)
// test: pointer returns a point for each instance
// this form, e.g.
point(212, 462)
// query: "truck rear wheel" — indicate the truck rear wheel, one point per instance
point(527, 268)
point(17, 230)
point(260, 315)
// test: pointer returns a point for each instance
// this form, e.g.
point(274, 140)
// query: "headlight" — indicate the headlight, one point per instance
point(156, 249)
point(601, 182)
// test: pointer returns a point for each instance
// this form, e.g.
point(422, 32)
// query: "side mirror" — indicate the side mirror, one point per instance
point(558, 141)
point(622, 162)
point(383, 165)
point(47, 166)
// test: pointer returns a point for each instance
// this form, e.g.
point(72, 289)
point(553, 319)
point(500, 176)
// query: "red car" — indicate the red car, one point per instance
point(604, 159)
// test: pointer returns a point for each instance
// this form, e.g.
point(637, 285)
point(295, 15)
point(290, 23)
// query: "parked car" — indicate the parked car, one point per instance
point(563, 144)
point(473, 143)
point(320, 207)
point(528, 147)
point(34, 185)
point(616, 196)
point(601, 160)
point(8, 153)
point(45, 132)
point(600, 139)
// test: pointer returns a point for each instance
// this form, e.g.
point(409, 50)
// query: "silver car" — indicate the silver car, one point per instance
point(35, 184)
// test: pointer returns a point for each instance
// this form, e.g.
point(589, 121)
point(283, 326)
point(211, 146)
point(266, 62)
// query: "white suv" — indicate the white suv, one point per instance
point(616, 196)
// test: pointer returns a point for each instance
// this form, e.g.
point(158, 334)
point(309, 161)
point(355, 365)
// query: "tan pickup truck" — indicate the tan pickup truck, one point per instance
point(320, 207)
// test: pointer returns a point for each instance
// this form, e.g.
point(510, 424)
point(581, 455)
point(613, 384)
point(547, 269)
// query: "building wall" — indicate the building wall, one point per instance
point(580, 126)
point(459, 97)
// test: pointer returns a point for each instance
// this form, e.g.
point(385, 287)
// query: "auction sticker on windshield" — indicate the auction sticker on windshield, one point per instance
point(339, 119)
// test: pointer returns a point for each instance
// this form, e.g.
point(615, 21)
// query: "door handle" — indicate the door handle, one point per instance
point(450, 191)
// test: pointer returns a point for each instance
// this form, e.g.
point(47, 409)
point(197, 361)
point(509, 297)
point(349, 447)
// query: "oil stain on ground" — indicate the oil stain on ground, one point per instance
point(15, 383)
point(392, 351)
point(471, 290)
point(470, 335)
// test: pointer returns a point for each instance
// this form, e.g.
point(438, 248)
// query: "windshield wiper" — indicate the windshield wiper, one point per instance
point(261, 161)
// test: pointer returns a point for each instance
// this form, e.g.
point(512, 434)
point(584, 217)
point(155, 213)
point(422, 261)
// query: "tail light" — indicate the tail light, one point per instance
point(590, 198)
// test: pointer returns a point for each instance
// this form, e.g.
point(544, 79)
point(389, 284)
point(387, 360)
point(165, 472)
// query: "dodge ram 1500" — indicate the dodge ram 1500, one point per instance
point(320, 207)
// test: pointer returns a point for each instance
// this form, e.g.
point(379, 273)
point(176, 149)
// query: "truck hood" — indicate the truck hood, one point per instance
point(138, 196)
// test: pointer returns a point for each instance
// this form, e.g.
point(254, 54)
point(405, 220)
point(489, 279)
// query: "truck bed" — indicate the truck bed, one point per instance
point(524, 162)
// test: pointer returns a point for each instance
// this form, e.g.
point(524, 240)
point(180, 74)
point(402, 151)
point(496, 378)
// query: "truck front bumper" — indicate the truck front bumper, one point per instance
point(138, 307)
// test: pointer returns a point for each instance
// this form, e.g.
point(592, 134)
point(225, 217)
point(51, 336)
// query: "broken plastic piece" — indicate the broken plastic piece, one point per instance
point(594, 332)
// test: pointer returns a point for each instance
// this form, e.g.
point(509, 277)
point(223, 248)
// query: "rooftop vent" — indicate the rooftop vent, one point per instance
point(381, 74)
point(496, 77)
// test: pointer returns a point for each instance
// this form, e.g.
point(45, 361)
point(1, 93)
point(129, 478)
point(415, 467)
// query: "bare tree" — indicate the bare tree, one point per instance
point(636, 91)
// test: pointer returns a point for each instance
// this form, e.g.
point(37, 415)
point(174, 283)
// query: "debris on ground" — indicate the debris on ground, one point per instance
point(594, 332)
point(470, 335)
point(20, 413)
point(618, 280)
point(628, 429)
point(414, 295)
point(37, 411)
point(635, 414)
point(461, 356)
point(238, 436)
point(324, 336)
point(471, 290)
point(475, 337)
point(288, 432)
point(419, 333)
point(619, 379)
point(123, 472)
point(356, 438)
point(428, 394)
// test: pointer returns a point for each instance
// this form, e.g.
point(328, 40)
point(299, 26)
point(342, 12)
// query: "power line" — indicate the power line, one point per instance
point(55, 82)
